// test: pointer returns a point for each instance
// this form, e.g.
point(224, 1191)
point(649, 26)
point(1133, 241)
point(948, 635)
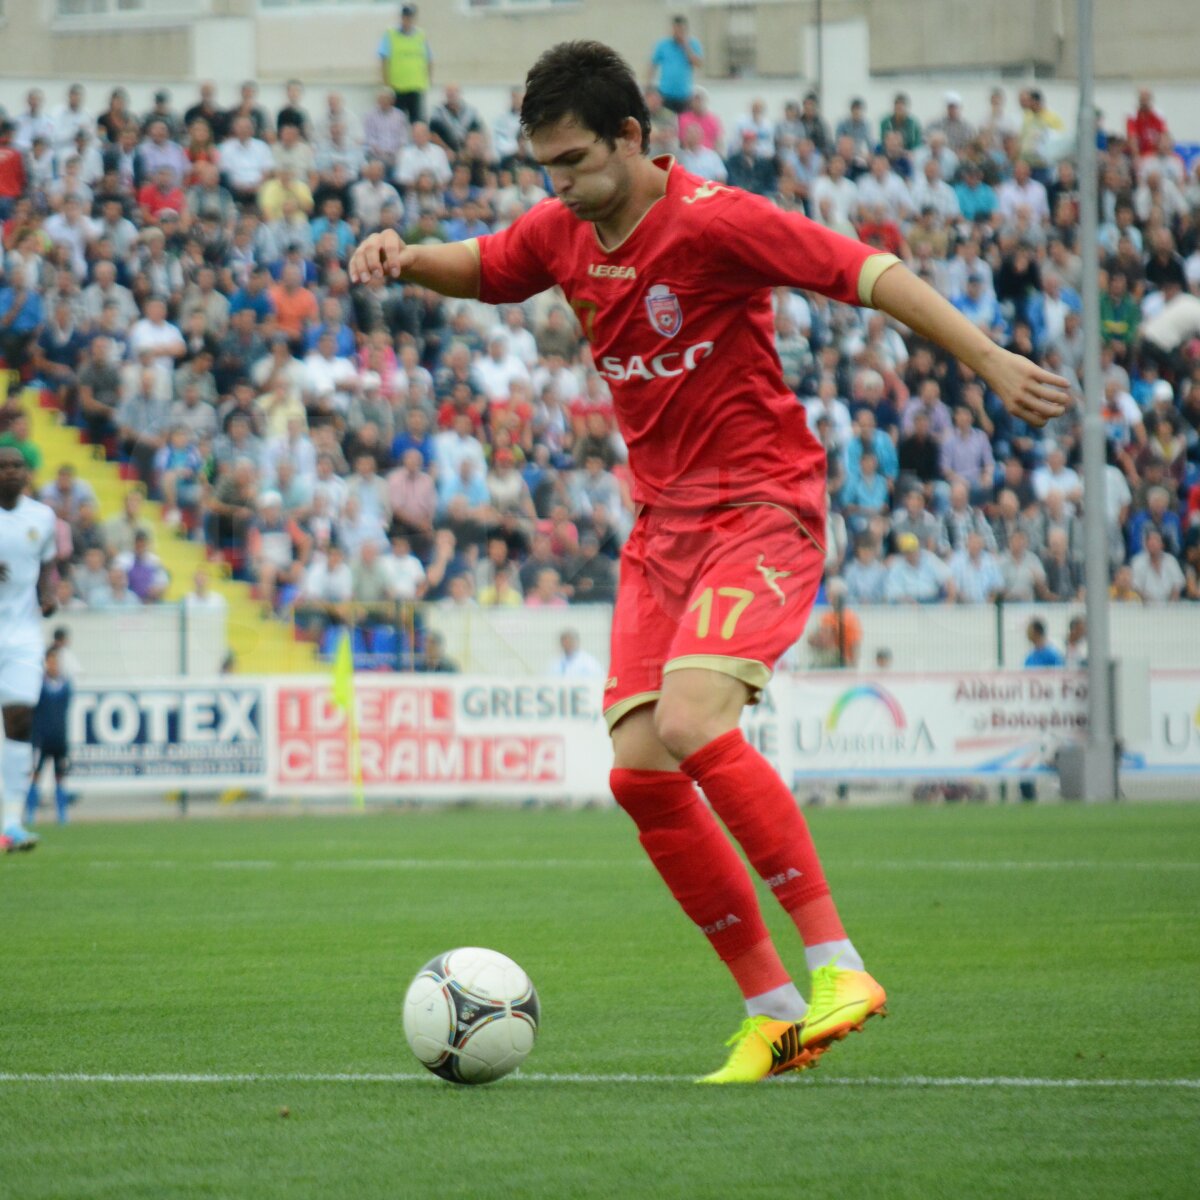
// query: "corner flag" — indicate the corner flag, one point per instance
point(343, 697)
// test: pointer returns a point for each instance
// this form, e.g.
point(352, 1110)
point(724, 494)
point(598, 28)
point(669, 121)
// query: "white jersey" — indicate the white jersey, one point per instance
point(26, 542)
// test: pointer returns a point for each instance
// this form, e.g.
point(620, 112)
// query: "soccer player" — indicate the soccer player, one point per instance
point(50, 738)
point(670, 276)
point(27, 552)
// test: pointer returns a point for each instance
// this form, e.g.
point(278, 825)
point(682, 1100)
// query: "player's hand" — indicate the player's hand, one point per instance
point(1026, 390)
point(49, 607)
point(382, 255)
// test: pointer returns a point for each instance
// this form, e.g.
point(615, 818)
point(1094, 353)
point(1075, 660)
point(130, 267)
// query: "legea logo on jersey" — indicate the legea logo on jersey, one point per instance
point(663, 307)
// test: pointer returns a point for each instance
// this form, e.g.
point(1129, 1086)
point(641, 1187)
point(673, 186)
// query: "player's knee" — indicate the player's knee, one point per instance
point(636, 746)
point(18, 723)
point(683, 728)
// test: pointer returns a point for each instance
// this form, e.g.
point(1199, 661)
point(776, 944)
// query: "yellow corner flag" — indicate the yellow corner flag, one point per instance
point(343, 697)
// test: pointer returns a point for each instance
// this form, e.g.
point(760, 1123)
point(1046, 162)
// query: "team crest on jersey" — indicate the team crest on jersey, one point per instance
point(32, 535)
point(662, 306)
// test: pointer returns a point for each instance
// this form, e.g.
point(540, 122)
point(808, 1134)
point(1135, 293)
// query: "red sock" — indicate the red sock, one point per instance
point(703, 871)
point(757, 808)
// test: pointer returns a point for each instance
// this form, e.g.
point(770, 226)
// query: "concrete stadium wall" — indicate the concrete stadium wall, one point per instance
point(1154, 40)
point(519, 643)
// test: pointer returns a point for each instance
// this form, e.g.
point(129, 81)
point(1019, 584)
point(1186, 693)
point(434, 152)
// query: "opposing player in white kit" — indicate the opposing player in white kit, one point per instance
point(26, 595)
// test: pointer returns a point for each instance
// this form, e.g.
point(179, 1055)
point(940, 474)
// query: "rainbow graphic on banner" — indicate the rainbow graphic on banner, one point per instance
point(866, 691)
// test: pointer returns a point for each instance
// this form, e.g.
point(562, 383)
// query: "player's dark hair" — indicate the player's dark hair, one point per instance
point(590, 82)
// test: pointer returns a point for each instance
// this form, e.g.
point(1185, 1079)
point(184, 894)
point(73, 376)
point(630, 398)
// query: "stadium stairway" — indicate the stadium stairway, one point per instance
point(260, 645)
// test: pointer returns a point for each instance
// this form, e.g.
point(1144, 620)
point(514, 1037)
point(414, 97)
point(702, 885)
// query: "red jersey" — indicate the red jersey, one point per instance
point(12, 172)
point(1144, 129)
point(680, 324)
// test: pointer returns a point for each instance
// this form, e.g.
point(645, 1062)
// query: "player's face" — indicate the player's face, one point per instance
point(592, 180)
point(13, 474)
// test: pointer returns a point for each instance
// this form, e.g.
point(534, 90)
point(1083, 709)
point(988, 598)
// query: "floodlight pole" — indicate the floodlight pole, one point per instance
point(1100, 768)
point(821, 58)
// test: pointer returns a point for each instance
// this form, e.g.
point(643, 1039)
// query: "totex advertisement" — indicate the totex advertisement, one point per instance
point(142, 737)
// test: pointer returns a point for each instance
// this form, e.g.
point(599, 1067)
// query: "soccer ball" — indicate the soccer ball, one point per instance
point(471, 1015)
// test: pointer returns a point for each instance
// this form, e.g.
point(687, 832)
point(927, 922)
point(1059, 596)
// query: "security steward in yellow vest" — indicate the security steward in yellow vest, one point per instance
point(406, 64)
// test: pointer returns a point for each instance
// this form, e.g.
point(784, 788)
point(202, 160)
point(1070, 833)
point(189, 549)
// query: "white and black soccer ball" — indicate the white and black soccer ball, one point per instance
point(471, 1015)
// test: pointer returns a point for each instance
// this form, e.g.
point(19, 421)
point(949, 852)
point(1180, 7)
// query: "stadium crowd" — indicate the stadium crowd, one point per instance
point(176, 279)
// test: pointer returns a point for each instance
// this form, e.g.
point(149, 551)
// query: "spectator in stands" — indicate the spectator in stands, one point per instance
point(1156, 515)
point(855, 127)
point(966, 456)
point(246, 161)
point(328, 583)
point(404, 570)
point(115, 594)
point(453, 119)
point(502, 591)
point(434, 660)
point(699, 159)
point(962, 518)
point(66, 493)
point(976, 574)
point(866, 495)
point(673, 63)
point(865, 576)
point(547, 591)
point(421, 156)
point(590, 575)
point(1064, 574)
point(901, 122)
point(406, 64)
point(386, 129)
point(98, 257)
point(1024, 577)
point(747, 168)
point(835, 642)
point(957, 131)
point(1075, 651)
point(1042, 654)
point(1156, 575)
point(913, 517)
point(370, 580)
point(143, 570)
point(574, 662)
point(21, 315)
point(916, 576)
point(506, 128)
point(699, 113)
point(928, 401)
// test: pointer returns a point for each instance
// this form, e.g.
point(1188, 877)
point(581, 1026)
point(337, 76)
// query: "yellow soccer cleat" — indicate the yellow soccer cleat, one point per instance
point(763, 1047)
point(842, 1001)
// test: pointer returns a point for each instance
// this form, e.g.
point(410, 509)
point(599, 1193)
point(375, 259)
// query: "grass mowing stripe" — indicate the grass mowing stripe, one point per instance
point(557, 864)
point(898, 1081)
point(267, 972)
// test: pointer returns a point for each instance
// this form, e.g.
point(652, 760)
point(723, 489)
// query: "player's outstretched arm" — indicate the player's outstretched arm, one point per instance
point(451, 269)
point(1027, 391)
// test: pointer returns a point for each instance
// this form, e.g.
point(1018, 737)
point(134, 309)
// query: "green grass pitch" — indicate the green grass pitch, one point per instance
point(1052, 944)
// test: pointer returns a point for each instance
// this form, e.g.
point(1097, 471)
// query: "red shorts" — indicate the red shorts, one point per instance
point(729, 590)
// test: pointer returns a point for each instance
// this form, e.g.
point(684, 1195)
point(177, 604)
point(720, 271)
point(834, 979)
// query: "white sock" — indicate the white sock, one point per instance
point(841, 952)
point(780, 1004)
point(16, 767)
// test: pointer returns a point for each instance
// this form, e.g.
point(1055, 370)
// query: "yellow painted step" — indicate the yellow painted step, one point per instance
point(259, 645)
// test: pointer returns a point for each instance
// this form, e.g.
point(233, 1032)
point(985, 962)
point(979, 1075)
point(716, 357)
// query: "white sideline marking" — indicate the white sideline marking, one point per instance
point(376, 864)
point(636, 864)
point(972, 864)
point(899, 1081)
